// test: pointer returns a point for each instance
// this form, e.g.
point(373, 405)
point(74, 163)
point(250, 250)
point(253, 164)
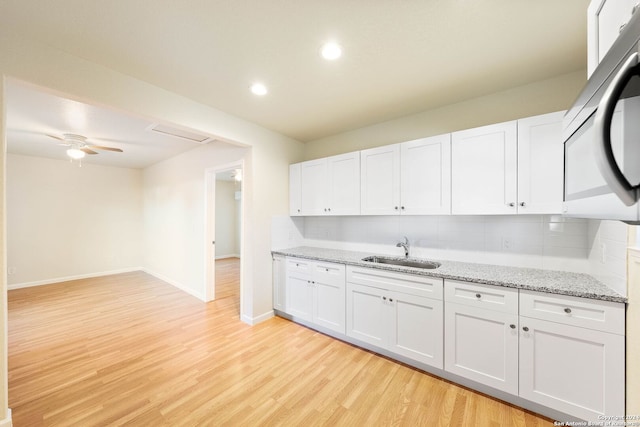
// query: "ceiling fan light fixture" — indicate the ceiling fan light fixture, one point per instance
point(75, 153)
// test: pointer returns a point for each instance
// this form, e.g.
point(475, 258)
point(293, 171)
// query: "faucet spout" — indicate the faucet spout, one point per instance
point(404, 245)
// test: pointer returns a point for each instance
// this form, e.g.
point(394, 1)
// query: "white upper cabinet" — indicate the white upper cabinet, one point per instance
point(412, 178)
point(343, 177)
point(540, 164)
point(425, 176)
point(484, 170)
point(605, 20)
point(295, 188)
point(509, 168)
point(380, 180)
point(329, 186)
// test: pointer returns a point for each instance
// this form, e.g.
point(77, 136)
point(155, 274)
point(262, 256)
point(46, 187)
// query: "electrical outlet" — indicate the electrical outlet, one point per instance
point(506, 244)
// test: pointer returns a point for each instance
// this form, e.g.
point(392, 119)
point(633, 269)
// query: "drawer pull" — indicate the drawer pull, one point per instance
point(384, 298)
point(525, 328)
point(326, 269)
point(478, 296)
point(567, 310)
point(390, 299)
point(512, 326)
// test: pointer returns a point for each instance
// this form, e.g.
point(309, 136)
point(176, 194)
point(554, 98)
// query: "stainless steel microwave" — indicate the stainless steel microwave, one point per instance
point(601, 134)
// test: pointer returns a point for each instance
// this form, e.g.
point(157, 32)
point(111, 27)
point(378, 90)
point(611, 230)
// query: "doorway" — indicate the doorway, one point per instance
point(225, 218)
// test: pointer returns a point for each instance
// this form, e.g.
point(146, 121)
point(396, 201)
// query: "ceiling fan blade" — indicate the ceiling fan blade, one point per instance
point(100, 147)
point(55, 137)
point(88, 150)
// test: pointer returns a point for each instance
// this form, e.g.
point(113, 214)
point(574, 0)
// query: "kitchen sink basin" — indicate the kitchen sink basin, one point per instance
point(405, 262)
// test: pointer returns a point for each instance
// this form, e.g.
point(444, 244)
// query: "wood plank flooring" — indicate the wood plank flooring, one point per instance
point(132, 350)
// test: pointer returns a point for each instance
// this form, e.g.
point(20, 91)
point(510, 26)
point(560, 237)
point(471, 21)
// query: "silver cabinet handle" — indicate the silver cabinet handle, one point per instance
point(567, 310)
point(523, 204)
point(402, 207)
point(390, 299)
point(605, 160)
point(512, 326)
point(395, 207)
point(478, 296)
point(526, 329)
point(511, 204)
point(384, 298)
point(328, 209)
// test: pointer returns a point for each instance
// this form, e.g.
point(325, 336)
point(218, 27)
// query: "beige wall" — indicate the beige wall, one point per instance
point(65, 222)
point(90, 82)
point(537, 98)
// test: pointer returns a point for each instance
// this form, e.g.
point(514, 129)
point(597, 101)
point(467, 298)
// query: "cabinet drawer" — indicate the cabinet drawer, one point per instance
point(412, 284)
point(329, 273)
point(489, 297)
point(299, 265)
point(583, 312)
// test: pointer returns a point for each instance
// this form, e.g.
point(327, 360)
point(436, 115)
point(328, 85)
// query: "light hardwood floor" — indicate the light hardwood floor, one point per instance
point(131, 350)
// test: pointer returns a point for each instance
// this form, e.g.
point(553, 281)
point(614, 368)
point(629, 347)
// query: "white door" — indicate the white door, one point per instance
point(575, 370)
point(425, 183)
point(540, 164)
point(367, 316)
point(417, 328)
point(295, 187)
point(482, 345)
point(380, 180)
point(343, 176)
point(313, 187)
point(329, 305)
point(483, 170)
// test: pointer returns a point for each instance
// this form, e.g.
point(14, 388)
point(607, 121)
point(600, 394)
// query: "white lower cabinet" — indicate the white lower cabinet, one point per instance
point(279, 282)
point(481, 334)
point(398, 312)
point(315, 292)
point(578, 370)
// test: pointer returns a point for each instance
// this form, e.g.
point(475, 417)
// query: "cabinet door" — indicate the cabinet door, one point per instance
point(574, 370)
point(380, 180)
point(314, 187)
point(343, 176)
point(425, 176)
point(605, 19)
point(329, 298)
point(294, 190)
point(482, 345)
point(416, 328)
point(279, 283)
point(540, 164)
point(483, 170)
point(367, 315)
point(299, 294)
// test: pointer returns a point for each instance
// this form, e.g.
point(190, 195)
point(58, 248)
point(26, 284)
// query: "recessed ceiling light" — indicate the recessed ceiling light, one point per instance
point(259, 89)
point(331, 51)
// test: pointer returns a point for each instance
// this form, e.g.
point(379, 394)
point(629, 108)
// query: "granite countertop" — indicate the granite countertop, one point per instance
point(550, 281)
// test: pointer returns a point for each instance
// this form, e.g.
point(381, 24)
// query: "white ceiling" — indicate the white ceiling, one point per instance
point(400, 56)
point(33, 115)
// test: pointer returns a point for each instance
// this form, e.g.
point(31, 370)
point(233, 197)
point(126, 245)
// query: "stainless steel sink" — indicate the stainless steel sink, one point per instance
point(412, 262)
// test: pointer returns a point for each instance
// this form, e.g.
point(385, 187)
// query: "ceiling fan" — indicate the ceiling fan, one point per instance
point(78, 145)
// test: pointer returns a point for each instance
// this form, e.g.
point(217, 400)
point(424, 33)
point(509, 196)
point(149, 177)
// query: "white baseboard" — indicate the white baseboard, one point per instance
point(7, 421)
point(258, 319)
point(227, 256)
point(68, 278)
point(178, 285)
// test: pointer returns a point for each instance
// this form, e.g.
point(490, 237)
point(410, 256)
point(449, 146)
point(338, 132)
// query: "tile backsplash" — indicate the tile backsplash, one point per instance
point(537, 241)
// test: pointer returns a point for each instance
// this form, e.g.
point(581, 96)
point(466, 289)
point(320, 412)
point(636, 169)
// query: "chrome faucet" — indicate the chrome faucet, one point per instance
point(404, 245)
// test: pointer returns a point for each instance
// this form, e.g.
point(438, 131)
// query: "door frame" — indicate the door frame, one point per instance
point(210, 227)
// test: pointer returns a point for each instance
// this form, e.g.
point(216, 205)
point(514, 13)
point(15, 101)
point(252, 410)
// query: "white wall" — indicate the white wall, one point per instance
point(536, 241)
point(66, 222)
point(545, 96)
point(227, 219)
point(608, 242)
point(174, 215)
